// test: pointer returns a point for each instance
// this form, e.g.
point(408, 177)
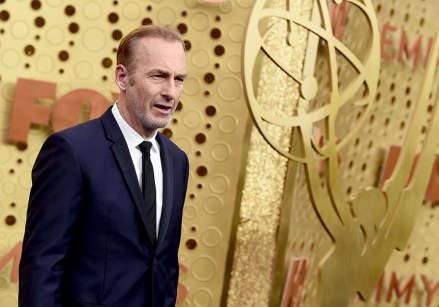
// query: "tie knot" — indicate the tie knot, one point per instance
point(145, 147)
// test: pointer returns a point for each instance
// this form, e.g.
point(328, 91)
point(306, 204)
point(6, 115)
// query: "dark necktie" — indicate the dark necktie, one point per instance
point(148, 188)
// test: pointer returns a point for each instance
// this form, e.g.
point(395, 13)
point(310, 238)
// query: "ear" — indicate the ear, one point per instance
point(121, 77)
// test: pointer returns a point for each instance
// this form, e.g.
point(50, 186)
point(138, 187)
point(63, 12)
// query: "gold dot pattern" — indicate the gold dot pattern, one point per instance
point(73, 44)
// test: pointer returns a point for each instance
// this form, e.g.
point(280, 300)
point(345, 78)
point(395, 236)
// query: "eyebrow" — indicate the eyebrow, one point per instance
point(165, 72)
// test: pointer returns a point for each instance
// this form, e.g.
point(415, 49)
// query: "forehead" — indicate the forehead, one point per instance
point(160, 54)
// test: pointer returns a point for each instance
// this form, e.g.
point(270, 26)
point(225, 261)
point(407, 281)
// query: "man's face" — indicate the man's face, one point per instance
point(155, 84)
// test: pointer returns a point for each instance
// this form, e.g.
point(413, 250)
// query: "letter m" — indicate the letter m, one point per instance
point(399, 291)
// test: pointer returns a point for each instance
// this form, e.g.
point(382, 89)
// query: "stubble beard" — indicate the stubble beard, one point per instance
point(144, 118)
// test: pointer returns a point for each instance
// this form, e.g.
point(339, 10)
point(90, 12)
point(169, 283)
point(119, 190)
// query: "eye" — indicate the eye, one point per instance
point(179, 80)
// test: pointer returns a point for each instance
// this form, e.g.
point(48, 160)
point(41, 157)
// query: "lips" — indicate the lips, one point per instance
point(163, 108)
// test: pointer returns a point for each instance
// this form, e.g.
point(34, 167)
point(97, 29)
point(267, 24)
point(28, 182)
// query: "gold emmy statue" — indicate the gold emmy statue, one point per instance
point(366, 229)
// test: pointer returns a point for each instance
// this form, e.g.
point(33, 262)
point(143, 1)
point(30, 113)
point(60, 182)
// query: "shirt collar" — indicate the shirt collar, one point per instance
point(132, 138)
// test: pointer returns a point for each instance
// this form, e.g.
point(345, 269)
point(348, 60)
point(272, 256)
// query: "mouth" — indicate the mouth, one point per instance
point(163, 108)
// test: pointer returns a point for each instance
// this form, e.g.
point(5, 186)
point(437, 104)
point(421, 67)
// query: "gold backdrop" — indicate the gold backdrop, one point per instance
point(248, 209)
point(73, 44)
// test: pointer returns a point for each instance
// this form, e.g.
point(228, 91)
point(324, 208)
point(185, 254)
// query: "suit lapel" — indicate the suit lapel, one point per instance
point(167, 166)
point(123, 158)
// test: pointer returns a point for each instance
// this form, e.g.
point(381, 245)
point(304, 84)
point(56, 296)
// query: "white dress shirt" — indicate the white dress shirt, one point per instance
point(133, 139)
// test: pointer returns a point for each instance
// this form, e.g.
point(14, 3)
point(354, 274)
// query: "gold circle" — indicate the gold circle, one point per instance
point(25, 180)
point(9, 188)
point(44, 64)
point(203, 268)
point(8, 92)
point(55, 36)
point(83, 70)
point(228, 124)
point(220, 152)
point(236, 33)
point(190, 212)
point(233, 63)
point(131, 11)
point(191, 3)
point(94, 39)
point(166, 16)
point(4, 118)
point(225, 7)
point(308, 88)
point(211, 237)
point(202, 298)
point(10, 58)
point(20, 29)
point(200, 58)
point(191, 86)
point(219, 184)
point(92, 10)
point(245, 4)
point(229, 89)
point(213, 205)
point(192, 119)
point(200, 21)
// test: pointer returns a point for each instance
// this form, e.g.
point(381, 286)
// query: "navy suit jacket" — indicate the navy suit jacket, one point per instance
point(86, 242)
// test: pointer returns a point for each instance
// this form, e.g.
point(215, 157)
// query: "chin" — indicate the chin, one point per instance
point(159, 125)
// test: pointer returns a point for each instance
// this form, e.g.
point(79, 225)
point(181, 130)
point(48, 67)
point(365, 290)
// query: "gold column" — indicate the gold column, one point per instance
point(252, 272)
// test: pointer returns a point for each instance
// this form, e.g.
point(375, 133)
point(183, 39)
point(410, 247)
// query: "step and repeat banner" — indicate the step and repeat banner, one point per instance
point(57, 62)
point(310, 125)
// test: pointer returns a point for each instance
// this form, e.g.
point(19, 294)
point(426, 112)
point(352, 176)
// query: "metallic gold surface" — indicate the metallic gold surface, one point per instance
point(273, 220)
point(209, 126)
point(263, 191)
point(368, 227)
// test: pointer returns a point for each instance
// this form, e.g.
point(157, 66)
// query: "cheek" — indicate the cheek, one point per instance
point(143, 96)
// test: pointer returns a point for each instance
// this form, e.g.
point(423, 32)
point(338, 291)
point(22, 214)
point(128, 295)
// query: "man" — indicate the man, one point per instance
point(89, 239)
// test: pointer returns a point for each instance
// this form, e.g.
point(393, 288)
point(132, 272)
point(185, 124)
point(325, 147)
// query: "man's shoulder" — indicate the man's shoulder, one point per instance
point(85, 133)
point(164, 141)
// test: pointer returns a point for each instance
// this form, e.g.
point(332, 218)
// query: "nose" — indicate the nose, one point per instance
point(169, 90)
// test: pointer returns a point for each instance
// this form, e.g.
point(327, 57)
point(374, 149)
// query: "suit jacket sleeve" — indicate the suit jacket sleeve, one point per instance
point(53, 212)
